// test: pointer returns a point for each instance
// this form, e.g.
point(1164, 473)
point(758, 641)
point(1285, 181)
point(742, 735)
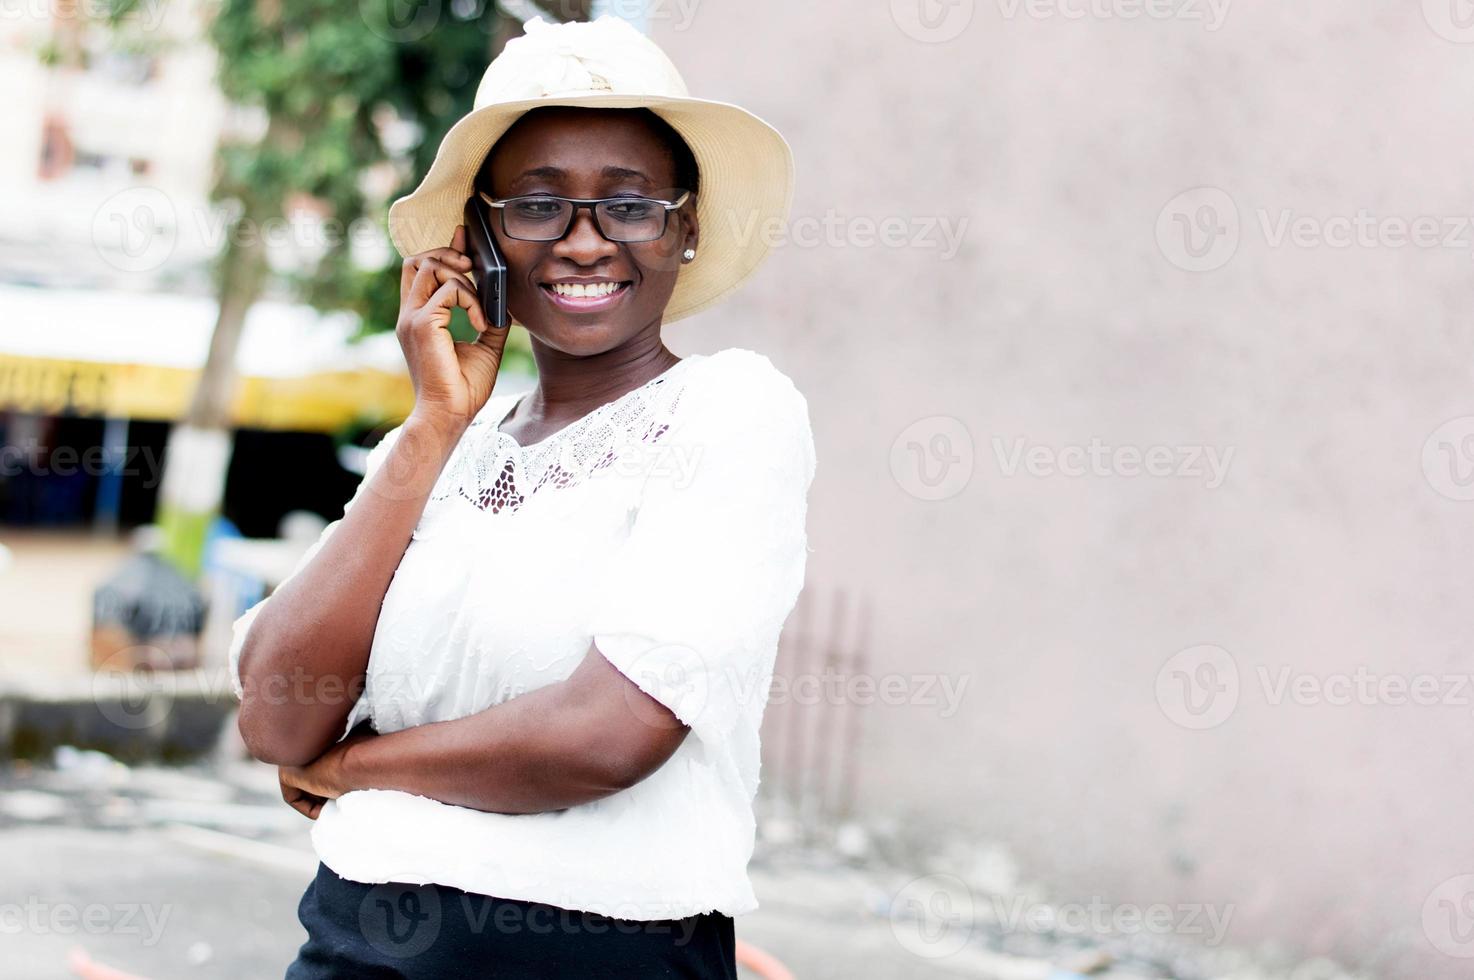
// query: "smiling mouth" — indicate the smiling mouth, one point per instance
point(583, 296)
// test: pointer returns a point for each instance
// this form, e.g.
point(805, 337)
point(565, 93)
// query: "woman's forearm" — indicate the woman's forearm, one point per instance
point(563, 745)
point(499, 760)
point(302, 662)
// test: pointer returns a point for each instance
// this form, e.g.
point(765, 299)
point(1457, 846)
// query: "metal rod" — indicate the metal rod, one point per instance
point(795, 726)
point(825, 729)
point(849, 774)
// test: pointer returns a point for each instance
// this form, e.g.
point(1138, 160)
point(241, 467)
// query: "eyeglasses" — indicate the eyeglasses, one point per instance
point(546, 218)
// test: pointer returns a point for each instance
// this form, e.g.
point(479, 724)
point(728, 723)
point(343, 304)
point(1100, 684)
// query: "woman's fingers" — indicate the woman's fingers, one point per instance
point(450, 378)
point(431, 294)
point(453, 258)
point(458, 291)
point(431, 275)
point(295, 797)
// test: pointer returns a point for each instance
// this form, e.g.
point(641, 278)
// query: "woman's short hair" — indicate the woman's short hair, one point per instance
point(683, 161)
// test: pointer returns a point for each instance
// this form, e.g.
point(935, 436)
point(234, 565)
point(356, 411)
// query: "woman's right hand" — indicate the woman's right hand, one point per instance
point(452, 381)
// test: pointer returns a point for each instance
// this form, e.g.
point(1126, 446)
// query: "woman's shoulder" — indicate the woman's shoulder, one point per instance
point(739, 378)
point(741, 360)
point(745, 400)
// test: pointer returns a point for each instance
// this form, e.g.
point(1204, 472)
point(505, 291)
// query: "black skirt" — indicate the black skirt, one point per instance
point(408, 932)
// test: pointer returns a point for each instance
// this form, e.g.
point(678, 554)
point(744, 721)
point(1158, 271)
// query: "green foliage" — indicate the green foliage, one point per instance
point(316, 73)
point(325, 74)
point(324, 77)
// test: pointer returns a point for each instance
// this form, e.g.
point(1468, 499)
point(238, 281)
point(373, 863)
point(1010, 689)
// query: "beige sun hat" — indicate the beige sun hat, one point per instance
point(746, 165)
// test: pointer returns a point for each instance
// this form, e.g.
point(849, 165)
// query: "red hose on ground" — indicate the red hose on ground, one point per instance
point(87, 968)
point(764, 964)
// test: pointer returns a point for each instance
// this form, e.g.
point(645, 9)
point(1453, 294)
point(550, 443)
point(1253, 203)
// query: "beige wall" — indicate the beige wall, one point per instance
point(1065, 318)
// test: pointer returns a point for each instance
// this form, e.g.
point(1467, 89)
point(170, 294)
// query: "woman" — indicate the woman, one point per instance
point(518, 685)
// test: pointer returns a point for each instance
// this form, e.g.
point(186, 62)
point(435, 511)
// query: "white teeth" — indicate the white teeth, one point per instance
point(578, 289)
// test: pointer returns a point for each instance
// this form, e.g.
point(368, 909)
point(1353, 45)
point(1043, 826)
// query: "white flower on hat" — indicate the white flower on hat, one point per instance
point(576, 58)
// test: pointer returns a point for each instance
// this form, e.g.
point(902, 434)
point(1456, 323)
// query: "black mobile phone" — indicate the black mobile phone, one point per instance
point(488, 267)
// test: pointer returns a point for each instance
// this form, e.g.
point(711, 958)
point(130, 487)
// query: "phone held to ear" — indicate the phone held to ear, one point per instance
point(487, 265)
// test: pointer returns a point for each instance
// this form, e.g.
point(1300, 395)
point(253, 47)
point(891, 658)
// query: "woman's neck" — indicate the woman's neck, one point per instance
point(570, 387)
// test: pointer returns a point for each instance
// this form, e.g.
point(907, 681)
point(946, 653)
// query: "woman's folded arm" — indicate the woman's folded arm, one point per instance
point(300, 664)
point(569, 743)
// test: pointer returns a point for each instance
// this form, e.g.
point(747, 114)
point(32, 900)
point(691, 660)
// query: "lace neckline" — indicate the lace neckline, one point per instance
point(584, 419)
point(493, 472)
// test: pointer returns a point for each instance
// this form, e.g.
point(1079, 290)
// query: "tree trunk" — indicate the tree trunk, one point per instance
point(243, 276)
point(198, 453)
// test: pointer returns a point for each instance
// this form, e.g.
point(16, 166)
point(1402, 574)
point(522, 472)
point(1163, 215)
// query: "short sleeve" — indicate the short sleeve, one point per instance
point(242, 624)
point(694, 599)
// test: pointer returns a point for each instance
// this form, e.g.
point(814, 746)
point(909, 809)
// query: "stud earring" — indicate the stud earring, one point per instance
point(689, 254)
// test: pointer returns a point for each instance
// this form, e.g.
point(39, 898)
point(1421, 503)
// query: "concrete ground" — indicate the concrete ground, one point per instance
point(196, 872)
point(182, 873)
point(204, 914)
point(188, 872)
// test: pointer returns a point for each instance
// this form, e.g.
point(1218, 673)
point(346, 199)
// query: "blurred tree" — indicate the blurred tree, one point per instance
point(354, 99)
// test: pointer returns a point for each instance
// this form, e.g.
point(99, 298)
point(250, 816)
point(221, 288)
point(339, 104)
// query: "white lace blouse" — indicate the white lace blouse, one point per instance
point(668, 528)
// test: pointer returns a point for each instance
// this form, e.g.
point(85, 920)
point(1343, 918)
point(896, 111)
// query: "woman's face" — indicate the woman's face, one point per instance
point(588, 153)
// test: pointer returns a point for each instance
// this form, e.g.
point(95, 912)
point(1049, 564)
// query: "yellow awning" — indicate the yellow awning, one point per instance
point(139, 355)
point(322, 402)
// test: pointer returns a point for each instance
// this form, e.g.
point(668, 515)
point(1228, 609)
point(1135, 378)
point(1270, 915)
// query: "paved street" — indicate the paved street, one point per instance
point(196, 872)
point(174, 873)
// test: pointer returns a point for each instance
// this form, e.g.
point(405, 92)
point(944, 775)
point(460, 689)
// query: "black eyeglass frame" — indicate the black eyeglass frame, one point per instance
point(592, 204)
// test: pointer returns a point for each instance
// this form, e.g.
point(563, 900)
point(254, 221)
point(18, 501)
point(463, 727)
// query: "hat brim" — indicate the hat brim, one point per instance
point(746, 186)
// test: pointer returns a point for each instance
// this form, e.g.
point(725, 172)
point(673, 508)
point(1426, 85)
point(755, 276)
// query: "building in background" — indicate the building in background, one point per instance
point(93, 131)
point(106, 237)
